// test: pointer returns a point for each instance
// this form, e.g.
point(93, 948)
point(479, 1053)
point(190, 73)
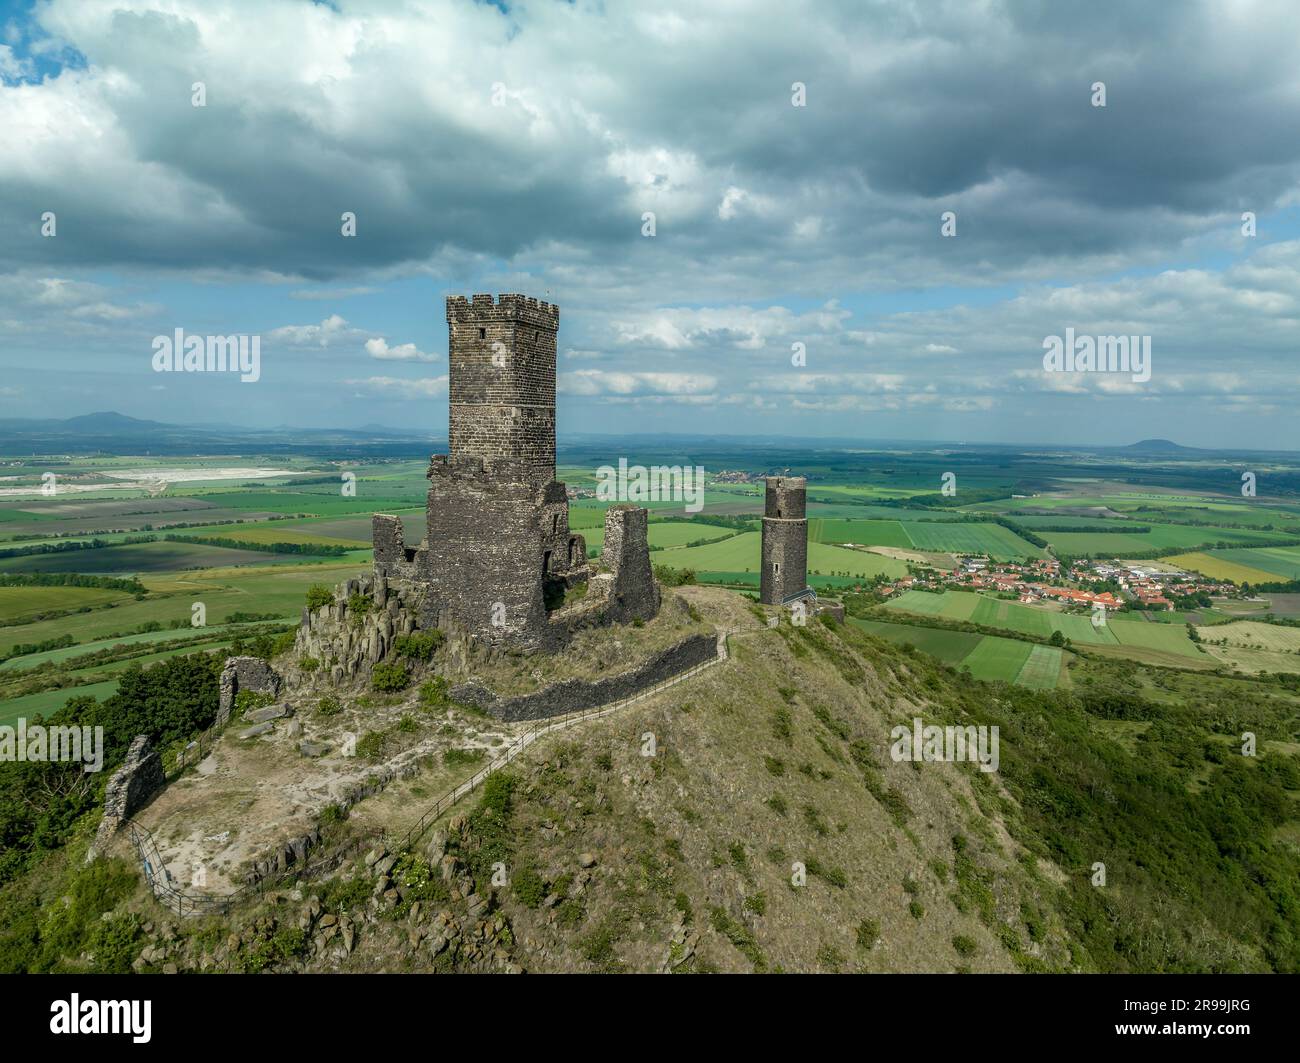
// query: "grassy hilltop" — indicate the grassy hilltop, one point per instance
point(683, 860)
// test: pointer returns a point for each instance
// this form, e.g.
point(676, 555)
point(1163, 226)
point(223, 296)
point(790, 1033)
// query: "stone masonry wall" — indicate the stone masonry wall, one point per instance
point(245, 673)
point(502, 379)
point(130, 788)
point(574, 694)
point(634, 594)
point(485, 553)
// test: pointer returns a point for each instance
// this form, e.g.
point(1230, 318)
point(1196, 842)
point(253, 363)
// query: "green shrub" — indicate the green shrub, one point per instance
point(529, 887)
point(318, 594)
point(359, 606)
point(329, 705)
point(434, 693)
point(868, 933)
point(370, 745)
point(964, 945)
point(455, 758)
point(418, 646)
point(247, 701)
point(389, 677)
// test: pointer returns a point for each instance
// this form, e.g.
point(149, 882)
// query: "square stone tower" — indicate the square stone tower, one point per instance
point(498, 553)
point(502, 380)
point(784, 576)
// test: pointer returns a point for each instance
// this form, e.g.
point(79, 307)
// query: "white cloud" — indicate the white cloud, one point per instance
point(333, 329)
point(377, 347)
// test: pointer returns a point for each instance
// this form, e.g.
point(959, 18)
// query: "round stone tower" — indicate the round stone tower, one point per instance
point(785, 540)
point(502, 380)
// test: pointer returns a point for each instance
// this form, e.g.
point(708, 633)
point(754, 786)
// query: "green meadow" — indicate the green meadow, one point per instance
point(988, 657)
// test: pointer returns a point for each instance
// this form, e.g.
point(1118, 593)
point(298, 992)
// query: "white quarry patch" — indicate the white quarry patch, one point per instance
point(152, 480)
point(185, 475)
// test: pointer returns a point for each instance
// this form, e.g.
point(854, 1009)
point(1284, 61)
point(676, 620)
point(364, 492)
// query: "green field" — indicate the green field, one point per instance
point(995, 659)
point(19, 602)
point(1042, 668)
point(1280, 562)
point(136, 558)
point(742, 553)
point(988, 657)
point(1167, 638)
point(280, 531)
point(999, 543)
point(49, 701)
point(1160, 537)
point(860, 532)
point(1254, 635)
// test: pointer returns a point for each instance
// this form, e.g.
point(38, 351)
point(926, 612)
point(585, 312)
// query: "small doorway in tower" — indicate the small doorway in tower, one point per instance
point(546, 562)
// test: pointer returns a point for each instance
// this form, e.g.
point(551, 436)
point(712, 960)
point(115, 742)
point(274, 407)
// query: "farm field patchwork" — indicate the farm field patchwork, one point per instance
point(1215, 566)
point(1033, 620)
point(743, 553)
point(1281, 562)
point(1121, 543)
point(132, 558)
point(277, 591)
point(989, 657)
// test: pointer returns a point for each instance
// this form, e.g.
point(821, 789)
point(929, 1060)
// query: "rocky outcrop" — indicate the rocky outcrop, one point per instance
point(130, 788)
point(357, 630)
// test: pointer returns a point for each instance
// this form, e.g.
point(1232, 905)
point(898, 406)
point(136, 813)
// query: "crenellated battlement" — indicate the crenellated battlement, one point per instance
point(507, 307)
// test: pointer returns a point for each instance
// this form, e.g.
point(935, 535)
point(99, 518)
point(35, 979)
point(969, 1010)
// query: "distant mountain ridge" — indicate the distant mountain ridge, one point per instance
point(118, 433)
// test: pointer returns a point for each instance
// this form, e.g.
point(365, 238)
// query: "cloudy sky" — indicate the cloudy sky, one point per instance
point(518, 147)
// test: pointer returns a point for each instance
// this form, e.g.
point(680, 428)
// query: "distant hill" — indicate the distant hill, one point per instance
point(116, 433)
point(1161, 446)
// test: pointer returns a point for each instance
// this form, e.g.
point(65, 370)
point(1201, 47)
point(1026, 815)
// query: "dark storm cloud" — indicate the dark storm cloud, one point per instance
point(607, 112)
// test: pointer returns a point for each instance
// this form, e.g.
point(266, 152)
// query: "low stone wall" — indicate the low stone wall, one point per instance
point(572, 695)
point(130, 788)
